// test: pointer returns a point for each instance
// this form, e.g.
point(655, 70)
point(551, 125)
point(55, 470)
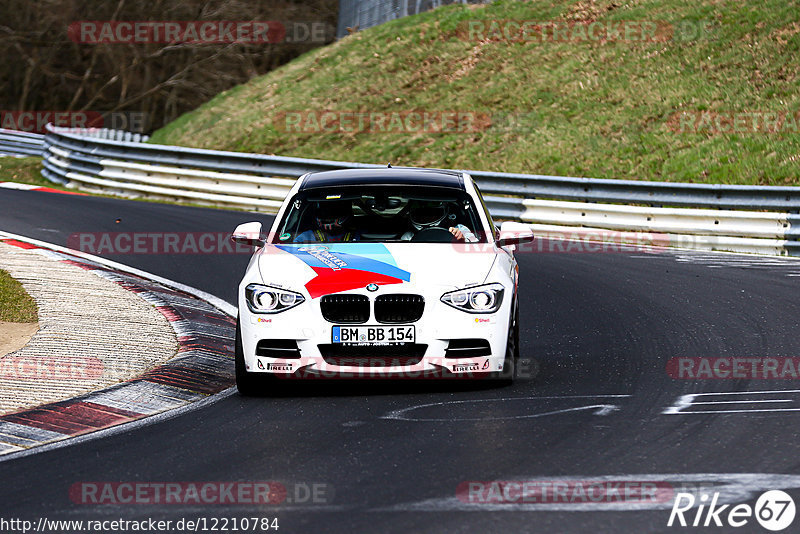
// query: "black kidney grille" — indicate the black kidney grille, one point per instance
point(399, 308)
point(348, 309)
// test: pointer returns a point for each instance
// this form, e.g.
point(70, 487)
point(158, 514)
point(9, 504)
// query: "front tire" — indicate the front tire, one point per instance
point(246, 383)
point(506, 376)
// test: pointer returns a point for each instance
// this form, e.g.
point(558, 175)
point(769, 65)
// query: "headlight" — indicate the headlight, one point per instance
point(478, 299)
point(268, 299)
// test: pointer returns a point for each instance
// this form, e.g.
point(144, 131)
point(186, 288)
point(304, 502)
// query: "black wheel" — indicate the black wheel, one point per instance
point(246, 383)
point(506, 376)
point(516, 333)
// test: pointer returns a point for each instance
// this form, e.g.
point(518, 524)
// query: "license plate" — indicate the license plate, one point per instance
point(373, 335)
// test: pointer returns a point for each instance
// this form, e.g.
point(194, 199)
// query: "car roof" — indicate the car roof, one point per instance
point(388, 176)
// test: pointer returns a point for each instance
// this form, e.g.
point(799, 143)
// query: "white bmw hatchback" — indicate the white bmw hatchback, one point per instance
point(379, 273)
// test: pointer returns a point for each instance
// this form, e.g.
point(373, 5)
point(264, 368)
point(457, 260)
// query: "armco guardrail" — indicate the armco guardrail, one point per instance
point(357, 15)
point(15, 143)
point(553, 205)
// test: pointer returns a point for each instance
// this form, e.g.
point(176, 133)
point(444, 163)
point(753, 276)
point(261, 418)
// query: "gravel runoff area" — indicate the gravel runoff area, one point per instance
point(92, 333)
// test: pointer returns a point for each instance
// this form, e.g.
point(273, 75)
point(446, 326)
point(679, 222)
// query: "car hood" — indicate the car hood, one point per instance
point(318, 270)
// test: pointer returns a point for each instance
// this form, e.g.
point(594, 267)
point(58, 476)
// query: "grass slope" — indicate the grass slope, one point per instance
point(16, 306)
point(24, 171)
point(587, 108)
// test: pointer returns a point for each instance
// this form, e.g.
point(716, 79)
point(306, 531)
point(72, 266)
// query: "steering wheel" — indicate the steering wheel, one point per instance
point(433, 235)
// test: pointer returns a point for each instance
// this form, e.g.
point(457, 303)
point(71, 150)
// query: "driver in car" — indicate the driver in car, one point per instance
point(332, 224)
point(424, 215)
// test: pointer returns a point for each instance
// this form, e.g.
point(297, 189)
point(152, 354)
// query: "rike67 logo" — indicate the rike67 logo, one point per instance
point(774, 510)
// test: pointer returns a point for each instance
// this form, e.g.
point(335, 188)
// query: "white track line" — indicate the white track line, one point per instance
point(218, 303)
point(122, 428)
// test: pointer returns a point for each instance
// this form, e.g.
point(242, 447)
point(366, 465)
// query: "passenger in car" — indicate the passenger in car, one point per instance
point(423, 215)
point(333, 224)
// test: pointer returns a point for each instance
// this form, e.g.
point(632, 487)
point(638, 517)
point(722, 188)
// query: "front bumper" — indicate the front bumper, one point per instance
point(439, 325)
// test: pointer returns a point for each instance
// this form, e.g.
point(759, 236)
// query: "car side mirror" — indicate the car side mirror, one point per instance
point(249, 234)
point(514, 233)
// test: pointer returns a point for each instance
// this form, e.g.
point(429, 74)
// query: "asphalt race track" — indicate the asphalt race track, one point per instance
point(599, 329)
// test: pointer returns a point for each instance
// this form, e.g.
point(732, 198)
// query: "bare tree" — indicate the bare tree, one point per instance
point(44, 69)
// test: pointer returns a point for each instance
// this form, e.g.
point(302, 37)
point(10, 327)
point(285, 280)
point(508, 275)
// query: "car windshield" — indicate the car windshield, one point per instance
point(381, 214)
